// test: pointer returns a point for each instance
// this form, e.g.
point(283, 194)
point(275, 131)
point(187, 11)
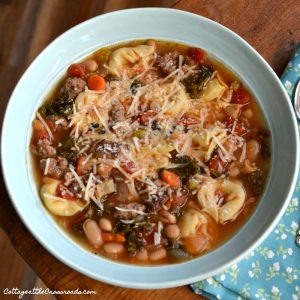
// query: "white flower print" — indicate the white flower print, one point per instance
point(288, 84)
point(234, 267)
point(284, 256)
point(290, 251)
point(276, 231)
point(253, 265)
point(251, 274)
point(276, 266)
point(270, 254)
point(283, 236)
point(295, 201)
point(289, 269)
point(275, 290)
point(294, 225)
point(222, 277)
point(295, 297)
point(256, 296)
point(209, 280)
point(295, 276)
point(297, 288)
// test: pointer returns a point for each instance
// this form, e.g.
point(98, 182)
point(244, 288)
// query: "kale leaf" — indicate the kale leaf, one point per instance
point(134, 234)
point(62, 106)
point(67, 150)
point(194, 82)
point(188, 167)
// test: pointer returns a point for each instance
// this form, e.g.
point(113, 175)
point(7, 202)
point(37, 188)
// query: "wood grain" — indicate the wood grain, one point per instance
point(28, 26)
point(272, 27)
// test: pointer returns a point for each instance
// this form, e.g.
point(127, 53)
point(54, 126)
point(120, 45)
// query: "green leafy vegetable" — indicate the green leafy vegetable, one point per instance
point(188, 167)
point(63, 106)
point(194, 83)
point(67, 150)
point(256, 181)
point(134, 234)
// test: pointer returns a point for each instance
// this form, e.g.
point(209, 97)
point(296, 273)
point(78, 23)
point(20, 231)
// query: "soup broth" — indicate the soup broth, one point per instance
point(150, 152)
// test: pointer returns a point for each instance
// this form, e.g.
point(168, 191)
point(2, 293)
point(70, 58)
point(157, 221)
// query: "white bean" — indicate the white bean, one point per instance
point(158, 254)
point(91, 65)
point(167, 217)
point(113, 248)
point(252, 150)
point(172, 231)
point(105, 224)
point(248, 113)
point(142, 255)
point(93, 233)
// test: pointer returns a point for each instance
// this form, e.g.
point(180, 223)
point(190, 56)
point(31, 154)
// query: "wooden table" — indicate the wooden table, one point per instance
point(272, 27)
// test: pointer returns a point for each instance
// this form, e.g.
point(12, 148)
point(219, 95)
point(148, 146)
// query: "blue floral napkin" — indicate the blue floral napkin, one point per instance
point(272, 271)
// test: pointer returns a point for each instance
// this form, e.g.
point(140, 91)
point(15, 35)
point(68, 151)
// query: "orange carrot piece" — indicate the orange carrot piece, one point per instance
point(79, 166)
point(171, 179)
point(96, 83)
point(111, 237)
point(107, 237)
point(119, 238)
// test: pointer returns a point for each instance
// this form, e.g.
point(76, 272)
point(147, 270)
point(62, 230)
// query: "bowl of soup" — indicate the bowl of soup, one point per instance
point(151, 153)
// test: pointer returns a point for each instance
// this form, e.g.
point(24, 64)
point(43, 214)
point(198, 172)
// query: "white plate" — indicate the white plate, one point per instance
point(166, 24)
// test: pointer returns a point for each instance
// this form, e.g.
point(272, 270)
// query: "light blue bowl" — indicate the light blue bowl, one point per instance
point(166, 24)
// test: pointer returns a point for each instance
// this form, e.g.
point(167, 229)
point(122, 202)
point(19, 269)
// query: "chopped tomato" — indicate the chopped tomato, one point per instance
point(179, 201)
point(241, 96)
point(144, 117)
point(129, 167)
point(197, 54)
point(240, 127)
point(39, 135)
point(79, 166)
point(51, 125)
point(171, 179)
point(63, 192)
point(39, 132)
point(216, 164)
point(189, 119)
point(76, 70)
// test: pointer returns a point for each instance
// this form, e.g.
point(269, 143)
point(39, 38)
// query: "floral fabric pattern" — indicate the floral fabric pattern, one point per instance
point(271, 271)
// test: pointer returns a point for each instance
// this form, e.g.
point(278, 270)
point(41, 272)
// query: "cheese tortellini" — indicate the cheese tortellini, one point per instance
point(214, 89)
point(234, 194)
point(123, 57)
point(56, 205)
point(191, 220)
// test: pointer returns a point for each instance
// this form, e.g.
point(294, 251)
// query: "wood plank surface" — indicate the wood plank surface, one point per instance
point(272, 27)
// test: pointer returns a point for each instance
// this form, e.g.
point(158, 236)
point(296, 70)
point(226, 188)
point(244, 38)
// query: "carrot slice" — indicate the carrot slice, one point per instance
point(119, 238)
point(171, 179)
point(107, 237)
point(110, 237)
point(79, 166)
point(96, 83)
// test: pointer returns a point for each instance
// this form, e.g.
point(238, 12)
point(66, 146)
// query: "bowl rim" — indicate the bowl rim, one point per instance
point(146, 285)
